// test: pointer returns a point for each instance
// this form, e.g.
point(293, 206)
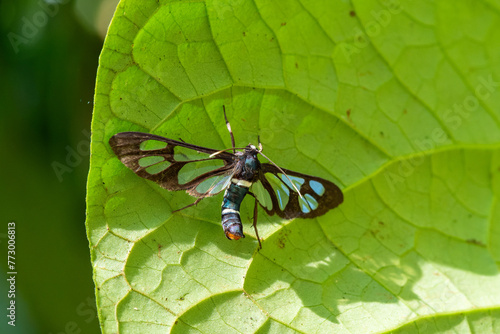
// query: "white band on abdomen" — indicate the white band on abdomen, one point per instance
point(241, 183)
point(226, 211)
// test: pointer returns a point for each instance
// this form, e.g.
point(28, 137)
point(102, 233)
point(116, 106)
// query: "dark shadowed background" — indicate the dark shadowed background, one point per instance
point(48, 62)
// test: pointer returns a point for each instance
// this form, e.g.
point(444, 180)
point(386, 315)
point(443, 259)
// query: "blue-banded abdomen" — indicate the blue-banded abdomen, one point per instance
point(231, 222)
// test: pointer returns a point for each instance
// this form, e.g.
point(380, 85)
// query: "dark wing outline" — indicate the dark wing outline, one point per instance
point(331, 198)
point(126, 146)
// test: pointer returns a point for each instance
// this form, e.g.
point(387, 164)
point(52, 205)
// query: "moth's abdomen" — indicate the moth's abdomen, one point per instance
point(231, 222)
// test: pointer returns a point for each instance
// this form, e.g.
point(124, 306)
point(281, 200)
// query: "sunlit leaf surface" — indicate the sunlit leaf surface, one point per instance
point(396, 102)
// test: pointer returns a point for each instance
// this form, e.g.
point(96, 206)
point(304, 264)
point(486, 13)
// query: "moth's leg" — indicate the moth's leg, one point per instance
point(229, 129)
point(190, 205)
point(260, 144)
point(255, 210)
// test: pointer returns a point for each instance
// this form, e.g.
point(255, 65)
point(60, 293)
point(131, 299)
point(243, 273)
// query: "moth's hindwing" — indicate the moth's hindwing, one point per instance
point(174, 165)
point(275, 193)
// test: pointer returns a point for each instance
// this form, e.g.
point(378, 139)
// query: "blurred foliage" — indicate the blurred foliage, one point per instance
point(48, 63)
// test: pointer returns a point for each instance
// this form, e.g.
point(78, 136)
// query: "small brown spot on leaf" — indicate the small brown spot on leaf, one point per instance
point(474, 242)
point(281, 241)
point(348, 113)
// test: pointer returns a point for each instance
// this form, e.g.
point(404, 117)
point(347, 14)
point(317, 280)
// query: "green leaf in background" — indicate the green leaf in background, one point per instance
point(397, 102)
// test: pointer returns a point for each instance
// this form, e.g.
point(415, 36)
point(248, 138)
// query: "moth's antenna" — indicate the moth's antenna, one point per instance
point(282, 171)
point(227, 149)
point(229, 129)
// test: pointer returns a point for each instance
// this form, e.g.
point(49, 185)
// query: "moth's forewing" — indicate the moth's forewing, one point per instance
point(172, 164)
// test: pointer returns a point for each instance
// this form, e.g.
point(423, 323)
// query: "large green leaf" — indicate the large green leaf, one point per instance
point(398, 103)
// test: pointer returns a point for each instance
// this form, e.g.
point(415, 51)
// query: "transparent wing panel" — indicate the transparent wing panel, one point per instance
point(214, 185)
point(149, 145)
point(280, 189)
point(194, 169)
point(262, 195)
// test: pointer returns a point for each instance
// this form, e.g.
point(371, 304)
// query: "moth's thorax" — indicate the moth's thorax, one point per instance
point(247, 164)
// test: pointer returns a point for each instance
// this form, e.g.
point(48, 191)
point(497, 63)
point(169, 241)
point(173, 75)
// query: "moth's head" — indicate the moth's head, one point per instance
point(251, 149)
point(251, 152)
